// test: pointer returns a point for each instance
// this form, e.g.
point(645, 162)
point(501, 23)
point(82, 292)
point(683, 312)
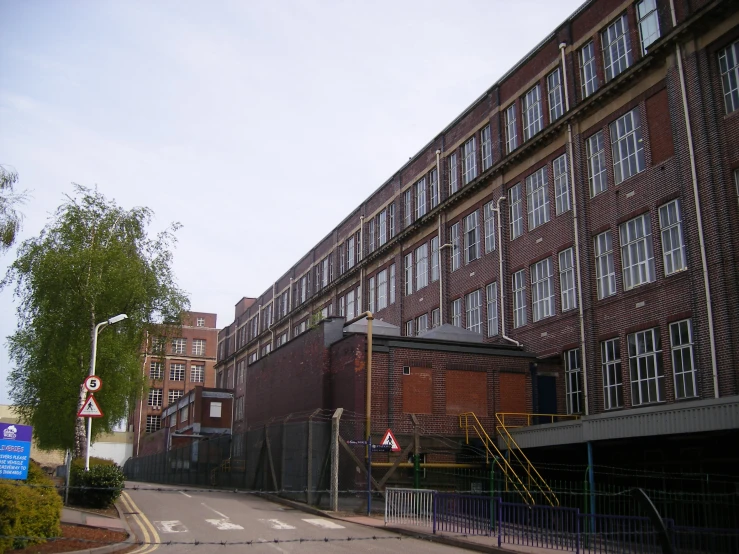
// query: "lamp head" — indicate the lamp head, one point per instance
point(117, 318)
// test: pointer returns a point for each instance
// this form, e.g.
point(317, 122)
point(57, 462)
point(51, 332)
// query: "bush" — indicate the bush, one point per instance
point(98, 488)
point(29, 511)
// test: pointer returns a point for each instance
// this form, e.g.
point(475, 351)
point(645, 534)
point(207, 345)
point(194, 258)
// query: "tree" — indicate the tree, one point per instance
point(10, 218)
point(93, 260)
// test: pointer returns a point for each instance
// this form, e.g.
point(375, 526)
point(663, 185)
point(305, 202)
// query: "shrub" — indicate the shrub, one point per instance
point(98, 488)
point(29, 511)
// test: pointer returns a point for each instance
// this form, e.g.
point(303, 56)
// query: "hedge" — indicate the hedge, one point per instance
point(99, 487)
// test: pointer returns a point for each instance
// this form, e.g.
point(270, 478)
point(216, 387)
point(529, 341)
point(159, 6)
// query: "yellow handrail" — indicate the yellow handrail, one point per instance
point(518, 415)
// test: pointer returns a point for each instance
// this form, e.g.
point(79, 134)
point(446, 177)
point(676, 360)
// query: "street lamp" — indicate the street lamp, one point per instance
point(99, 327)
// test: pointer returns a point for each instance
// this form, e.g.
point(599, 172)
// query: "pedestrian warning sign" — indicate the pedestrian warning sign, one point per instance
point(389, 440)
point(90, 408)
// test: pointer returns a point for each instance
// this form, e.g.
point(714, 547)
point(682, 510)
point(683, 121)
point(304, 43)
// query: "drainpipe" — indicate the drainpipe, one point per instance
point(697, 200)
point(441, 241)
point(575, 227)
point(368, 413)
point(501, 277)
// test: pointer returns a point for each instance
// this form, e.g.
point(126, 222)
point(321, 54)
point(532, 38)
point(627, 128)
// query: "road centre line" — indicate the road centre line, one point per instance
point(187, 495)
point(224, 516)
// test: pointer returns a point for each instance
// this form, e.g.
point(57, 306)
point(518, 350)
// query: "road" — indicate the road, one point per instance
point(170, 515)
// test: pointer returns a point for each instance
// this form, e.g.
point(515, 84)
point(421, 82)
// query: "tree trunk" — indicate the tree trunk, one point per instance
point(80, 437)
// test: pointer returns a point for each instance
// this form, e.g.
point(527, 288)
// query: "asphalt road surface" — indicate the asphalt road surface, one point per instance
point(171, 516)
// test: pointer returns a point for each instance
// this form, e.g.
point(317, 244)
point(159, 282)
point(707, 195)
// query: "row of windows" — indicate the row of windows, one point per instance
point(177, 372)
point(179, 346)
point(155, 397)
point(381, 289)
point(646, 369)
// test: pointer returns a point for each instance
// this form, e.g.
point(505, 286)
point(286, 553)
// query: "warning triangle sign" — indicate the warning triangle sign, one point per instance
point(90, 408)
point(390, 440)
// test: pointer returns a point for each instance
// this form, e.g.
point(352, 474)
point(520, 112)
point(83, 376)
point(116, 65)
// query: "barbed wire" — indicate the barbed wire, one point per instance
point(250, 542)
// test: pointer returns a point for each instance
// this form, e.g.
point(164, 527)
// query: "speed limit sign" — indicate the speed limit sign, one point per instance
point(93, 383)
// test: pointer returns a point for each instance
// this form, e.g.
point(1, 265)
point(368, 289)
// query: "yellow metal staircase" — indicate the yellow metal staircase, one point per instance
point(518, 470)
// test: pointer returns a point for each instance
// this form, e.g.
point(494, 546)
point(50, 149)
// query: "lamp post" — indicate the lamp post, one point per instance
point(99, 327)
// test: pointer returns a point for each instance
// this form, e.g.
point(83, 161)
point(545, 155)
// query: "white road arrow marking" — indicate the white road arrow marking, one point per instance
point(173, 526)
point(276, 524)
point(224, 524)
point(324, 523)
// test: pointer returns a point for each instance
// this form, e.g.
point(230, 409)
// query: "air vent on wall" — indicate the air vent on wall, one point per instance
point(406, 370)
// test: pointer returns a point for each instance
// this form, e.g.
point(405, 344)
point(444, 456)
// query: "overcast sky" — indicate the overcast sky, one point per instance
point(258, 125)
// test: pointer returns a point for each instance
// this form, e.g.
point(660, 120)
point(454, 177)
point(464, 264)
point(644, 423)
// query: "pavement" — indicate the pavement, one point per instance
point(74, 516)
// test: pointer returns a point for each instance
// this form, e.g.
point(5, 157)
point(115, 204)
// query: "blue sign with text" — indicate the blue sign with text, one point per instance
point(15, 450)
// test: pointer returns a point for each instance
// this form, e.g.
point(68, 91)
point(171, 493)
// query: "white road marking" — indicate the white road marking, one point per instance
point(187, 495)
point(276, 524)
point(224, 524)
point(324, 523)
point(173, 526)
point(224, 516)
point(273, 545)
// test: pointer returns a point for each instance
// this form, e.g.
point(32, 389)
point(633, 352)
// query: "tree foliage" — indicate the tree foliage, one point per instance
point(10, 217)
point(93, 260)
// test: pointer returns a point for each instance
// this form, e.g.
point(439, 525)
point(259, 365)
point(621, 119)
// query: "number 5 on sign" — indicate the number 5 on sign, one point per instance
point(93, 383)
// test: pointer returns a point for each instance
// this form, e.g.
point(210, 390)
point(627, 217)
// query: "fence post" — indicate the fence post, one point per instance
point(577, 531)
point(335, 419)
point(492, 493)
point(500, 528)
point(433, 511)
point(309, 461)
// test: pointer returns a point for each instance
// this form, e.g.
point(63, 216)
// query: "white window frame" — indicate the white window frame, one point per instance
point(516, 209)
point(567, 284)
point(371, 241)
point(453, 173)
point(179, 346)
point(573, 382)
point(610, 356)
point(537, 196)
point(511, 132)
point(173, 395)
point(197, 373)
point(561, 184)
point(350, 255)
point(371, 292)
point(408, 272)
point(153, 423)
point(542, 290)
point(350, 305)
point(532, 117)
point(391, 279)
point(176, 372)
point(457, 312)
point(646, 13)
point(155, 398)
point(455, 241)
point(491, 294)
point(408, 209)
point(200, 322)
point(486, 145)
point(422, 266)
point(673, 242)
point(420, 198)
point(382, 290)
point(683, 360)
point(627, 146)
point(422, 324)
point(554, 90)
point(471, 238)
point(489, 225)
point(409, 328)
point(156, 371)
point(473, 311)
point(434, 259)
point(605, 271)
point(469, 160)
point(588, 74)
point(198, 347)
point(434, 197)
point(645, 367)
point(637, 254)
point(391, 220)
point(596, 154)
point(518, 287)
point(616, 49)
point(728, 61)
point(435, 317)
point(382, 225)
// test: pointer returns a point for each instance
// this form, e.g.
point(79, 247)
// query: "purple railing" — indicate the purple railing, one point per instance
point(688, 540)
point(540, 526)
point(464, 514)
point(604, 534)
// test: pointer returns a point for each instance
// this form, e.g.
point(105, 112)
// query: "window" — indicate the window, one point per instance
point(157, 345)
point(596, 164)
point(267, 319)
point(153, 423)
point(197, 373)
point(178, 346)
point(302, 327)
point(409, 328)
point(421, 198)
point(239, 409)
point(531, 113)
point(473, 304)
point(561, 184)
point(434, 259)
point(683, 366)
point(616, 52)
point(155, 398)
point(241, 368)
point(215, 409)
point(253, 356)
point(489, 217)
point(200, 322)
point(491, 291)
point(627, 147)
point(350, 259)
point(371, 303)
point(350, 305)
point(198, 347)
point(382, 290)
point(392, 283)
point(519, 298)
point(511, 136)
point(325, 312)
point(266, 349)
point(434, 188)
point(422, 324)
point(537, 191)
point(371, 235)
point(646, 12)
point(173, 396)
point(637, 258)
point(407, 207)
point(673, 242)
point(156, 369)
point(469, 163)
point(645, 366)
point(177, 372)
point(514, 203)
point(554, 87)
point(610, 355)
point(456, 247)
point(471, 238)
point(453, 179)
point(435, 317)
point(728, 61)
point(573, 382)
point(325, 278)
point(542, 290)
point(457, 312)
point(391, 216)
point(382, 224)
point(567, 279)
point(605, 272)
point(588, 76)
point(408, 265)
point(422, 266)
point(486, 143)
point(184, 413)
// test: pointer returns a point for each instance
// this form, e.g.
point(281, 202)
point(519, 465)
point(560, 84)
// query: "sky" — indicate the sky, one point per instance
point(256, 124)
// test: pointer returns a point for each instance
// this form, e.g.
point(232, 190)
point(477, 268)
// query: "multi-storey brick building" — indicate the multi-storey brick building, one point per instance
point(585, 208)
point(174, 366)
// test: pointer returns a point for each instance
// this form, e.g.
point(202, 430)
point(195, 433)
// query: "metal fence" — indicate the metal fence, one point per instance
point(464, 514)
point(409, 507)
point(539, 526)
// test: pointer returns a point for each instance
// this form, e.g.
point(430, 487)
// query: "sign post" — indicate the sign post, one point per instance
point(15, 450)
point(369, 475)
